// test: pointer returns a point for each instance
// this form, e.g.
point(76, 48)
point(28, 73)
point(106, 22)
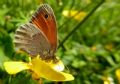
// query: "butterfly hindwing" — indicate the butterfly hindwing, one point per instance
point(32, 40)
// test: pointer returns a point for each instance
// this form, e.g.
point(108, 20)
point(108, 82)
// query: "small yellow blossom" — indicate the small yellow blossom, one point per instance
point(117, 73)
point(74, 14)
point(108, 80)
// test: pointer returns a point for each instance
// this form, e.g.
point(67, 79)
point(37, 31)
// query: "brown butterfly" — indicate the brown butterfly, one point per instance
point(39, 36)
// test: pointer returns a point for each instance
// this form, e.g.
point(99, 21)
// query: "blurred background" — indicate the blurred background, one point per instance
point(88, 34)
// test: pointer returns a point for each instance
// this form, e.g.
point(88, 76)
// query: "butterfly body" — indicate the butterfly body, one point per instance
point(39, 36)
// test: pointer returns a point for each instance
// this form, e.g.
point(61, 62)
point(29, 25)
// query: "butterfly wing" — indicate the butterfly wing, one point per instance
point(32, 40)
point(45, 20)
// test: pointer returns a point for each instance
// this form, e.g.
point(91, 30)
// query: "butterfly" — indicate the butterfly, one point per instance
point(39, 35)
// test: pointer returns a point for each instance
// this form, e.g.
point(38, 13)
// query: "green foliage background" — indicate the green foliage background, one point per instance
point(89, 48)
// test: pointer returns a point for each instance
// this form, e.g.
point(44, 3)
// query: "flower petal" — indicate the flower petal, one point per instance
point(117, 72)
point(15, 67)
point(43, 69)
point(59, 66)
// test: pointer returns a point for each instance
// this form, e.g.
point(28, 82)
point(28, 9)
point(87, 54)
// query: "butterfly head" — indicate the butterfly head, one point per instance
point(49, 56)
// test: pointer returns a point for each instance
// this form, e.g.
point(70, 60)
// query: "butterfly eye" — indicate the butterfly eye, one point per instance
point(46, 16)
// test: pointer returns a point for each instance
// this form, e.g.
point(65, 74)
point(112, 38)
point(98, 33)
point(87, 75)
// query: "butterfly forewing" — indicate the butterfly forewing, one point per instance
point(45, 20)
point(32, 40)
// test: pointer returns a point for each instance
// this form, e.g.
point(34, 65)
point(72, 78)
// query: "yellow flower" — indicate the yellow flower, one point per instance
point(117, 73)
point(74, 14)
point(40, 68)
point(108, 80)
